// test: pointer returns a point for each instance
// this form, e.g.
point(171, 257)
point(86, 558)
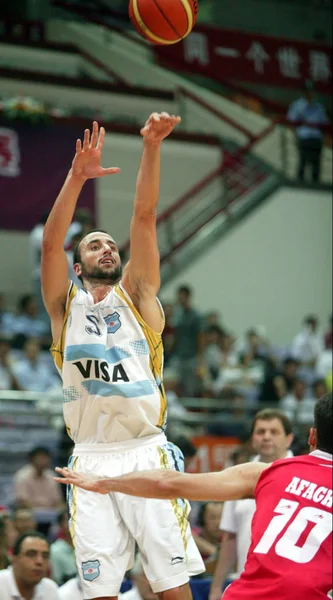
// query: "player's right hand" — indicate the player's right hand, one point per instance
point(87, 160)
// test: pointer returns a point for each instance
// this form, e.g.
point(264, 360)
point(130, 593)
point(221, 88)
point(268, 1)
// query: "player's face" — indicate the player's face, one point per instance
point(269, 439)
point(100, 259)
point(32, 563)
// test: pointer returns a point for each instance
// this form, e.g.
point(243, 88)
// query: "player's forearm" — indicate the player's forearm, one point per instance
point(226, 561)
point(62, 213)
point(148, 181)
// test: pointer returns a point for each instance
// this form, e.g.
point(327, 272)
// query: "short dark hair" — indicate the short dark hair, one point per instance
point(34, 534)
point(39, 450)
point(323, 422)
point(76, 251)
point(267, 414)
point(185, 445)
point(184, 289)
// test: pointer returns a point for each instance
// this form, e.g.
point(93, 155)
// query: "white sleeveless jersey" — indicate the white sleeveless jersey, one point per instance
point(111, 365)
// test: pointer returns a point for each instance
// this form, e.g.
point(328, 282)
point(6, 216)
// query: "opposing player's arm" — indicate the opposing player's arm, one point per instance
point(232, 484)
point(54, 273)
point(142, 279)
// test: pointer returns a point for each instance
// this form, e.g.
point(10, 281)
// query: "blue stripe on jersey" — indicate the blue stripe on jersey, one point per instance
point(126, 390)
point(112, 356)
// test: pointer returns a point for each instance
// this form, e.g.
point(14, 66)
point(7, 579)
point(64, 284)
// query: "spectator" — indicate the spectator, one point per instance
point(8, 380)
point(63, 565)
point(328, 336)
point(71, 590)
point(34, 485)
point(207, 535)
point(187, 323)
point(5, 318)
point(32, 373)
point(4, 542)
point(298, 406)
point(187, 449)
point(83, 222)
point(308, 111)
point(24, 520)
point(27, 323)
point(280, 382)
point(271, 438)
point(307, 345)
point(319, 388)
point(26, 579)
point(324, 364)
point(212, 354)
point(141, 589)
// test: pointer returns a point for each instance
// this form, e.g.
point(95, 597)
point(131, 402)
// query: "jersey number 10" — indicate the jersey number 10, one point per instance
point(287, 544)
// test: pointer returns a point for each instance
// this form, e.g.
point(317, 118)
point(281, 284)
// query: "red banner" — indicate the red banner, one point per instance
point(225, 55)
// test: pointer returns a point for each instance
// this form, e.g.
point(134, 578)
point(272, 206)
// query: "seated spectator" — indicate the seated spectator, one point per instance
point(27, 322)
point(328, 336)
point(256, 354)
point(34, 485)
point(212, 354)
point(31, 372)
point(8, 380)
point(279, 383)
point(307, 345)
point(319, 388)
point(297, 405)
point(62, 555)
point(24, 520)
point(141, 589)
point(207, 535)
point(26, 579)
point(187, 449)
point(324, 364)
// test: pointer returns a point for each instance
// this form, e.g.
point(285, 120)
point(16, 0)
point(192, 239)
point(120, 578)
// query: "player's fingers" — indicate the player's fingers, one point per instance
point(94, 136)
point(165, 115)
point(86, 139)
point(101, 137)
point(155, 117)
point(78, 145)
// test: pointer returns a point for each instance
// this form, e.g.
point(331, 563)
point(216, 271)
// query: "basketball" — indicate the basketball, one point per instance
point(163, 21)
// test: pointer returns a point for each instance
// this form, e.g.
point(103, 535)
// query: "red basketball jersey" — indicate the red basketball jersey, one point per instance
point(290, 557)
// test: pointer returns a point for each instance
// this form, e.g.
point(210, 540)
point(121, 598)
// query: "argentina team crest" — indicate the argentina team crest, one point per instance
point(113, 322)
point(91, 570)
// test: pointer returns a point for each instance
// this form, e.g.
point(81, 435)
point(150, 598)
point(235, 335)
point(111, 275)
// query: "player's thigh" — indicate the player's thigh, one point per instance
point(104, 547)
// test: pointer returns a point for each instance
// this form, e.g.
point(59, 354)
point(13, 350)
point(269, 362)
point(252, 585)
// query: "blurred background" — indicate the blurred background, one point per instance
point(244, 223)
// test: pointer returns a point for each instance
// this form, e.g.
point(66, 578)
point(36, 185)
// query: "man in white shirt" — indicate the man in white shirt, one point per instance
point(71, 590)
point(26, 580)
point(271, 437)
point(308, 344)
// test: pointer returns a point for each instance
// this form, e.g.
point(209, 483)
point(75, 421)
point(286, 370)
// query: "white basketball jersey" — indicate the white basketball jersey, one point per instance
point(111, 365)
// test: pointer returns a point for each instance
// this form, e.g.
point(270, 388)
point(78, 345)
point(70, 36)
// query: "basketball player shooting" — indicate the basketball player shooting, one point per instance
point(108, 349)
point(290, 557)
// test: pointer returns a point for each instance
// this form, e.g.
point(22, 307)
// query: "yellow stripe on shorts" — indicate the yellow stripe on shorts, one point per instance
point(72, 503)
point(180, 512)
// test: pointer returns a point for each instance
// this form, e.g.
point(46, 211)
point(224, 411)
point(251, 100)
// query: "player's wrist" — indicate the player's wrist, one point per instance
point(76, 177)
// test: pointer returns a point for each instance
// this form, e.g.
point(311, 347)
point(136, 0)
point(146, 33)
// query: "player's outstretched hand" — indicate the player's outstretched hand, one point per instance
point(158, 127)
point(91, 483)
point(87, 160)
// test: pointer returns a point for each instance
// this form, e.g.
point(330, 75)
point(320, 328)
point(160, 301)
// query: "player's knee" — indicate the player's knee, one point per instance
point(182, 592)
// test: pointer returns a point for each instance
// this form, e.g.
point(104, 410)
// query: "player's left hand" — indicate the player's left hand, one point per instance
point(158, 127)
point(91, 483)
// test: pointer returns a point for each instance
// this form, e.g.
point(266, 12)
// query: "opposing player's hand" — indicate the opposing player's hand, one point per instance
point(91, 483)
point(158, 127)
point(87, 160)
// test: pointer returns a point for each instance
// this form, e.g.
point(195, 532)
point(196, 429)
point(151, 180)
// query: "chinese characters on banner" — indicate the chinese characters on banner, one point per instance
point(234, 55)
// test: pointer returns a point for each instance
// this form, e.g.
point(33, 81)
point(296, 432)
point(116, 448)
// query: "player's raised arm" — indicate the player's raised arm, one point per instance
point(54, 272)
point(142, 280)
point(234, 483)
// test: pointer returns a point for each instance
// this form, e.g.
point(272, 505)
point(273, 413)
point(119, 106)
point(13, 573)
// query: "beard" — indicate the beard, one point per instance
point(98, 274)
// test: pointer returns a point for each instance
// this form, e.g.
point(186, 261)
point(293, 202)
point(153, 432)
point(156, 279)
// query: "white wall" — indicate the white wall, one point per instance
point(272, 270)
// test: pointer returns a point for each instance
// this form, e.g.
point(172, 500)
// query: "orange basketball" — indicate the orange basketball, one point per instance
point(163, 21)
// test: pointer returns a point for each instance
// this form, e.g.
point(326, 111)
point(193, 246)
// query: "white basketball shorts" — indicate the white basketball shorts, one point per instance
point(105, 528)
